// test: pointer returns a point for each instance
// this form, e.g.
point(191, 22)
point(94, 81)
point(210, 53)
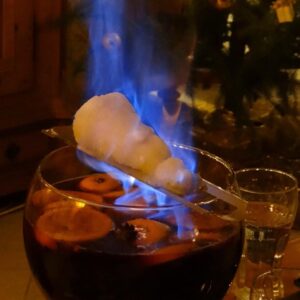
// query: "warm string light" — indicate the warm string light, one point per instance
point(284, 10)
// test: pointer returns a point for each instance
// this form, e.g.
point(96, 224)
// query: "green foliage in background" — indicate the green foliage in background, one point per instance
point(250, 51)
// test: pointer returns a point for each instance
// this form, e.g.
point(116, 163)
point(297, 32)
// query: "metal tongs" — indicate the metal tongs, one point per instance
point(65, 133)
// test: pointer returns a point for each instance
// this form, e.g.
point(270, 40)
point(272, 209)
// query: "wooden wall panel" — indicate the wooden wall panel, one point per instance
point(30, 87)
point(7, 41)
point(16, 63)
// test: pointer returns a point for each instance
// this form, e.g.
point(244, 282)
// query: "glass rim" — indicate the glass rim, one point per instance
point(293, 186)
point(280, 269)
point(276, 271)
point(70, 197)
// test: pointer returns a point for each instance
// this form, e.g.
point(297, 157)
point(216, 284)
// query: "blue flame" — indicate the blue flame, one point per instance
point(130, 53)
point(153, 197)
point(105, 24)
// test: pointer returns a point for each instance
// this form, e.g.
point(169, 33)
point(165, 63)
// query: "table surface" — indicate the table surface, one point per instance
point(291, 259)
point(16, 281)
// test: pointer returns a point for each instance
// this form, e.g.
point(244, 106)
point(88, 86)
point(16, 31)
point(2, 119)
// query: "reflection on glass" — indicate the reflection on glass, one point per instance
point(277, 284)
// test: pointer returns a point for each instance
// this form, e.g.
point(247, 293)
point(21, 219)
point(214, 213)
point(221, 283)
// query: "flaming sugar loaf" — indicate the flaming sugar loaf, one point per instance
point(108, 127)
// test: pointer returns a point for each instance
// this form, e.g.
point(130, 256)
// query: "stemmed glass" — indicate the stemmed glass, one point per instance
point(282, 283)
point(272, 197)
point(87, 236)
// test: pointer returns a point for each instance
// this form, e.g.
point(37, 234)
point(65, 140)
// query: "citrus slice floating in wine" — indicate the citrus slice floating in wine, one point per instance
point(71, 224)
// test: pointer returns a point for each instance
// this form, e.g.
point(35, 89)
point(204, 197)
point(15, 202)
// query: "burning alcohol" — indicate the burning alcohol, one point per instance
point(107, 126)
point(83, 244)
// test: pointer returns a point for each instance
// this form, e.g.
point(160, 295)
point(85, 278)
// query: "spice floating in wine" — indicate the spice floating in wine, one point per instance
point(113, 252)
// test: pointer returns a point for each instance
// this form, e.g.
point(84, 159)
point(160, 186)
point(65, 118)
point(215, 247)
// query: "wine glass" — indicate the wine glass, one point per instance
point(89, 236)
point(272, 197)
point(281, 283)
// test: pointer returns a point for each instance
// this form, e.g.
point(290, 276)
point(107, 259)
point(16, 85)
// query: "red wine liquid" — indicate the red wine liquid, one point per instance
point(114, 268)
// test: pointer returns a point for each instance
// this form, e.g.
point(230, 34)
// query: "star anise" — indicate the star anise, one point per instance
point(127, 232)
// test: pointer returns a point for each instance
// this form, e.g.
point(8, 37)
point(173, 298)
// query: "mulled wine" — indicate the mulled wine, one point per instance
point(87, 237)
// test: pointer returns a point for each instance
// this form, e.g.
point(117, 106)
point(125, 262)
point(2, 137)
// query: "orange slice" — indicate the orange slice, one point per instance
point(95, 198)
point(59, 204)
point(44, 196)
point(44, 239)
point(198, 221)
point(69, 223)
point(113, 195)
point(200, 226)
point(169, 253)
point(135, 202)
point(138, 202)
point(99, 183)
point(149, 231)
point(132, 200)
